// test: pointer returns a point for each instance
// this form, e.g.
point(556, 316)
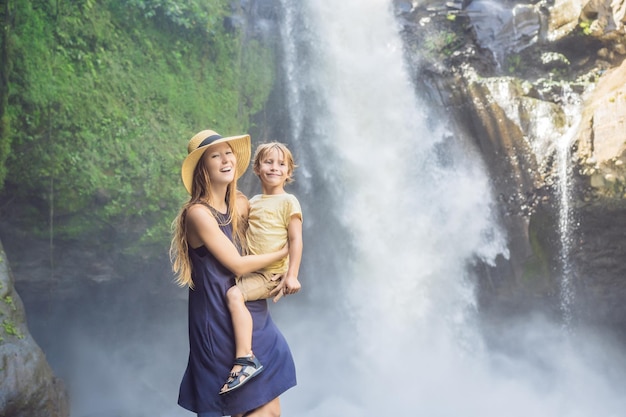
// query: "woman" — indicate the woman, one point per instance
point(207, 233)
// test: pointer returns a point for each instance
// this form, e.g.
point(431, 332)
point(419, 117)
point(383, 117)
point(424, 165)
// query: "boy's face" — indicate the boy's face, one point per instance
point(273, 170)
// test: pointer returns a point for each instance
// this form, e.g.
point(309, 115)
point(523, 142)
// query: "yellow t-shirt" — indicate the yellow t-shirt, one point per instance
point(267, 225)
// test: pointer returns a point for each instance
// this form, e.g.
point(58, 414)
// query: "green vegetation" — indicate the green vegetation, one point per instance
point(536, 274)
point(8, 300)
point(11, 330)
point(100, 100)
point(8, 326)
point(585, 27)
point(441, 44)
point(514, 63)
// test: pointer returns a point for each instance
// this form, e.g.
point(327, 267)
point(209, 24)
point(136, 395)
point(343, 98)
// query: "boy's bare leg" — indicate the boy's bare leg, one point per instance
point(242, 321)
point(246, 366)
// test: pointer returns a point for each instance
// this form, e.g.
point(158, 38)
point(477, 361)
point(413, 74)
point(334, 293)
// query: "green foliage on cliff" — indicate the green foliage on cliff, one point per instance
point(102, 98)
point(8, 327)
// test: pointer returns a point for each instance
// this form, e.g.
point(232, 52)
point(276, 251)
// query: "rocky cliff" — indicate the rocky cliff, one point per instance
point(539, 88)
point(28, 387)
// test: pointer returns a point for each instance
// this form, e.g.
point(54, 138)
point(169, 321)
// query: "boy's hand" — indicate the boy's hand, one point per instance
point(286, 286)
point(291, 286)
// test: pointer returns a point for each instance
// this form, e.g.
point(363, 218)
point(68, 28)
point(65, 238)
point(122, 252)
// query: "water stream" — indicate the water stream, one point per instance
point(572, 106)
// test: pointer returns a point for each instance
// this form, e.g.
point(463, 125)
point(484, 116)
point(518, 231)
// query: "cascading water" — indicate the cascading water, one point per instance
point(399, 203)
point(395, 209)
point(572, 110)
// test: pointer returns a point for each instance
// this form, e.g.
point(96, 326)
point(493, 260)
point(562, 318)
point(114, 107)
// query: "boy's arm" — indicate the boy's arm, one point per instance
point(290, 283)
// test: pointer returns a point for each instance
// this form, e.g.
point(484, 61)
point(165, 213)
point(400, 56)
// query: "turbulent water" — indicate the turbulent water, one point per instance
point(396, 211)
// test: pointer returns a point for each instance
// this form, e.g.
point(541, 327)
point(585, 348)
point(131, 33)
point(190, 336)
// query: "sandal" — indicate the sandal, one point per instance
point(250, 367)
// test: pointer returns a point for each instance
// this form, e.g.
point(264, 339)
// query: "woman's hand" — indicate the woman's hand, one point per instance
point(279, 291)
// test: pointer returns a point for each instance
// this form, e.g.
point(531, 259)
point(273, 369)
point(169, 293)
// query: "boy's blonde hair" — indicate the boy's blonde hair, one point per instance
point(264, 148)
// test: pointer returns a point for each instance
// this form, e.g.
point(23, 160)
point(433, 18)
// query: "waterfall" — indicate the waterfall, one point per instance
point(566, 222)
point(415, 210)
point(396, 210)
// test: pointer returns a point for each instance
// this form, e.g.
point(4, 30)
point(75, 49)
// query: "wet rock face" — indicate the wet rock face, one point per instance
point(502, 27)
point(601, 150)
point(516, 77)
point(601, 270)
point(28, 387)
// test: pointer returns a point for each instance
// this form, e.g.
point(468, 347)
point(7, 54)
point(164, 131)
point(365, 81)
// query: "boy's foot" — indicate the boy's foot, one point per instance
point(250, 367)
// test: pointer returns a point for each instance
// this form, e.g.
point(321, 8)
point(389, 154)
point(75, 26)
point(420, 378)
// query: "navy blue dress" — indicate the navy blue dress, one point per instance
point(212, 347)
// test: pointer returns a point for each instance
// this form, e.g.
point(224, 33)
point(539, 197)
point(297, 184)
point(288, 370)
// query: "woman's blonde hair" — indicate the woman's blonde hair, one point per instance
point(264, 148)
point(200, 194)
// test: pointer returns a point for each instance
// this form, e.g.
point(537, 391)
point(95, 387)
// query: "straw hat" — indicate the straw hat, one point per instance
point(202, 140)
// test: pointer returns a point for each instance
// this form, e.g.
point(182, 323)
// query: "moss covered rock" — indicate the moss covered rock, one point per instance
point(28, 387)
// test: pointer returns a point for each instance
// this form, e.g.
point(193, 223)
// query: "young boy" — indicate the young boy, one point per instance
point(275, 219)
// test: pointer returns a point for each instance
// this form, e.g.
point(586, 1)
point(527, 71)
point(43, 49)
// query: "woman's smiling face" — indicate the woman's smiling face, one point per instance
point(221, 162)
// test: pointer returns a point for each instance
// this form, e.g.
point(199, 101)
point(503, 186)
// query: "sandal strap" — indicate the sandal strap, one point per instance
point(248, 361)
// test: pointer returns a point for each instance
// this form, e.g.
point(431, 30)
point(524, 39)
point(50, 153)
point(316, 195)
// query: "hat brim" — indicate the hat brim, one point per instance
point(241, 148)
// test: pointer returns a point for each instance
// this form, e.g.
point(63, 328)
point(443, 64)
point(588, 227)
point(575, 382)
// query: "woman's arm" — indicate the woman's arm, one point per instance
point(202, 229)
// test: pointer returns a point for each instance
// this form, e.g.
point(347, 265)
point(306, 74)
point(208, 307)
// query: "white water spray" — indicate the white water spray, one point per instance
point(391, 328)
